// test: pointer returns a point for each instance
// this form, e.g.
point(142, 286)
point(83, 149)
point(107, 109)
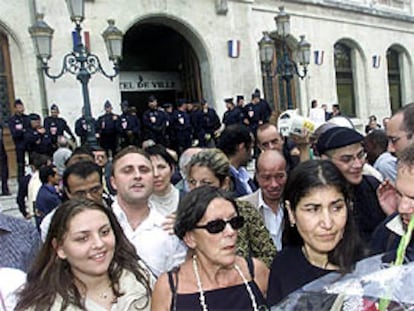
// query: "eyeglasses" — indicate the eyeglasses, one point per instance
point(347, 159)
point(218, 225)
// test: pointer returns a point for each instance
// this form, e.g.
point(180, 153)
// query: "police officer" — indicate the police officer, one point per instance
point(81, 127)
point(266, 111)
point(128, 127)
point(155, 122)
point(253, 115)
point(36, 138)
point(56, 126)
point(207, 125)
point(169, 132)
point(4, 165)
point(182, 127)
point(233, 115)
point(19, 123)
point(106, 130)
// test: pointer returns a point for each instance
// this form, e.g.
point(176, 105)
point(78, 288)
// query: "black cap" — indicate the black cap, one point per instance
point(124, 104)
point(181, 102)
point(229, 100)
point(239, 97)
point(107, 104)
point(337, 137)
point(255, 95)
point(54, 107)
point(34, 117)
point(167, 105)
point(18, 101)
point(151, 98)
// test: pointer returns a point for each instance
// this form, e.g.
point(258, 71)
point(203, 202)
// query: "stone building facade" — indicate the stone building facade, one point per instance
point(361, 53)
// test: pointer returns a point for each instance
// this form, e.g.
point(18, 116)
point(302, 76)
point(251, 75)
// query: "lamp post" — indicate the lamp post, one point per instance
point(286, 68)
point(267, 48)
point(80, 61)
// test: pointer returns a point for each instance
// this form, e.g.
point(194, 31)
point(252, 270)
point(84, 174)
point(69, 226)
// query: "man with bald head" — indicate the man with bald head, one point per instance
point(271, 177)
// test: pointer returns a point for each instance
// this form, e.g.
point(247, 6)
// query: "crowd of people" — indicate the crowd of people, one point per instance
point(159, 222)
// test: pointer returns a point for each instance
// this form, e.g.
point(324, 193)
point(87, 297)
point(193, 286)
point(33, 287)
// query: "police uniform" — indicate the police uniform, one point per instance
point(81, 129)
point(106, 128)
point(233, 115)
point(18, 125)
point(37, 142)
point(128, 128)
point(155, 125)
point(56, 126)
point(183, 129)
point(253, 114)
point(4, 167)
point(207, 124)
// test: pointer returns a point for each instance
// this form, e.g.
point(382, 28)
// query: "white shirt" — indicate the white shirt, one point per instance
point(32, 190)
point(273, 222)
point(159, 250)
point(45, 224)
point(167, 204)
point(11, 281)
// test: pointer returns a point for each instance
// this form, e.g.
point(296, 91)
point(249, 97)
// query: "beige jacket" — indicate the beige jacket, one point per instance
point(134, 298)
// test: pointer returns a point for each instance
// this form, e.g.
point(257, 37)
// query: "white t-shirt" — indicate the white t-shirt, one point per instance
point(10, 281)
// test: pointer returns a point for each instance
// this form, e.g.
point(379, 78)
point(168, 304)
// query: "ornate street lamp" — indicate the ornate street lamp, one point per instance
point(80, 61)
point(286, 68)
point(266, 49)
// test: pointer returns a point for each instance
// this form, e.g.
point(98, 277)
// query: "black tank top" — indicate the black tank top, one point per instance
point(228, 298)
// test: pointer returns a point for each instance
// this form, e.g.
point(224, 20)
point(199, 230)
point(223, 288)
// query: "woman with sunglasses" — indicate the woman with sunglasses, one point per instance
point(213, 277)
point(212, 167)
point(320, 235)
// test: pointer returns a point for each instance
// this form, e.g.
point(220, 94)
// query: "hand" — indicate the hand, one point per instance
point(168, 224)
point(41, 130)
point(387, 197)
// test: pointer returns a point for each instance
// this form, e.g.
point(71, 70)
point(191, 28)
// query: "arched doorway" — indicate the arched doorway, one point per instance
point(158, 60)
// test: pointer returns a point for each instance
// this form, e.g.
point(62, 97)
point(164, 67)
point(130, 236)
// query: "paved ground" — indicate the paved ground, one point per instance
point(8, 203)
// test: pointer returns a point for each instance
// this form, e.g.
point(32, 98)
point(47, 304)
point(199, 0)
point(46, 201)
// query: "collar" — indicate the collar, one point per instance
point(262, 203)
point(154, 219)
point(396, 225)
point(241, 173)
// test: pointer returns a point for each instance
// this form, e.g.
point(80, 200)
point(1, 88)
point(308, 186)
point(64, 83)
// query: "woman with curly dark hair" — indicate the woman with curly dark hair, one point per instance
point(86, 263)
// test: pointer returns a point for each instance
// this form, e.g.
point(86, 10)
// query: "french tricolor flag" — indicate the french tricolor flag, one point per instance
point(233, 48)
point(318, 57)
point(376, 61)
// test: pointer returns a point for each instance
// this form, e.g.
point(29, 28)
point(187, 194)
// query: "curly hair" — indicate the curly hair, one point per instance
point(50, 276)
point(214, 159)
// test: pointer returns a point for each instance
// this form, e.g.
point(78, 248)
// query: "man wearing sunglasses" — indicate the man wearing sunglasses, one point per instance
point(343, 146)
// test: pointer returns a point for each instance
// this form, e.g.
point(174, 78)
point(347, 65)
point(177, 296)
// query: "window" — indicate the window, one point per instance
point(394, 78)
point(6, 90)
point(344, 79)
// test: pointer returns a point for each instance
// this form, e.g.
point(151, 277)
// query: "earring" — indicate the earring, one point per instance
point(292, 224)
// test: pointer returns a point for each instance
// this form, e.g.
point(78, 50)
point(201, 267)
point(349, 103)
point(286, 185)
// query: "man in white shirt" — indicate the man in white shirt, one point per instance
point(132, 178)
point(271, 177)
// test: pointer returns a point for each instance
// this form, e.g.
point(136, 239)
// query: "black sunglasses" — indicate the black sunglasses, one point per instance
point(218, 225)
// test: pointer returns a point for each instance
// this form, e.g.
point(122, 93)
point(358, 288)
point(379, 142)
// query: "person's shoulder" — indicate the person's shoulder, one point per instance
point(14, 224)
point(370, 180)
point(287, 256)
